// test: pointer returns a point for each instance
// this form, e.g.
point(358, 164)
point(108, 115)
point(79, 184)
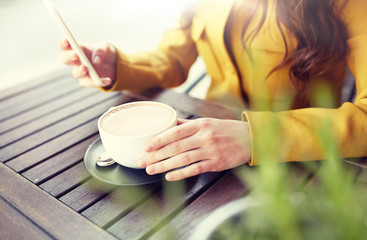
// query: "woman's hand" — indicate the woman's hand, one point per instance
point(102, 57)
point(202, 145)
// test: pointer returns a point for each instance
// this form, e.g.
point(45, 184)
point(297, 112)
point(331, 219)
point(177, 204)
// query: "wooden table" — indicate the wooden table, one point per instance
point(46, 126)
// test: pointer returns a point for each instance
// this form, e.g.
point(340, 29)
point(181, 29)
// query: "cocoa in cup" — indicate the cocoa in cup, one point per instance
point(125, 129)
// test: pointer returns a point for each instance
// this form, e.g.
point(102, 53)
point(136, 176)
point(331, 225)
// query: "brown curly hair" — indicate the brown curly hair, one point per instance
point(320, 33)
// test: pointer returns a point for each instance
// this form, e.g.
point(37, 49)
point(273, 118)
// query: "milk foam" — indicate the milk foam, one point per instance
point(137, 121)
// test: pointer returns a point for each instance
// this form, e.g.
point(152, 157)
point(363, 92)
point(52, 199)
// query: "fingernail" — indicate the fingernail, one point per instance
point(150, 169)
point(97, 60)
point(83, 69)
point(106, 82)
point(169, 177)
point(73, 56)
point(149, 148)
point(142, 163)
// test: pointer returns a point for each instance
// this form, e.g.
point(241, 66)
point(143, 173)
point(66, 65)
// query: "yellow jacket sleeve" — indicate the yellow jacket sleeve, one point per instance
point(167, 66)
point(297, 137)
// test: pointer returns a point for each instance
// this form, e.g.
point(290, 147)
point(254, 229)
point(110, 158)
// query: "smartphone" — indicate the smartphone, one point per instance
point(74, 44)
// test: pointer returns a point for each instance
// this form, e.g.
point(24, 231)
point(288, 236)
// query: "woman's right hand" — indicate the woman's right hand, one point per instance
point(102, 57)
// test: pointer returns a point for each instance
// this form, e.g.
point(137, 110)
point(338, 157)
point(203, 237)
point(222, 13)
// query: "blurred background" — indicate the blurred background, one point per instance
point(29, 35)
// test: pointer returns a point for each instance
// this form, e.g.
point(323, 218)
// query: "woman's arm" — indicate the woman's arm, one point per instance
point(167, 66)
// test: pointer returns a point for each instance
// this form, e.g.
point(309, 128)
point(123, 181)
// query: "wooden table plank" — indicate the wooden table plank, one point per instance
point(24, 102)
point(183, 114)
point(47, 108)
point(119, 203)
point(57, 145)
point(159, 209)
point(14, 225)
point(87, 194)
point(361, 162)
point(42, 136)
point(59, 162)
point(348, 168)
point(56, 219)
point(60, 128)
point(66, 181)
point(71, 111)
point(182, 225)
point(36, 82)
point(34, 93)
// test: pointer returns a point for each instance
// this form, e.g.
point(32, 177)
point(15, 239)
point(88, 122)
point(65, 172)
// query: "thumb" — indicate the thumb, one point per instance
point(99, 54)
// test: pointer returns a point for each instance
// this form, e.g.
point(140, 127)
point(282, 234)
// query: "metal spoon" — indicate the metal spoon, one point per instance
point(104, 160)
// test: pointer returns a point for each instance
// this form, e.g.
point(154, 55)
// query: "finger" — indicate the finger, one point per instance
point(63, 44)
point(70, 58)
point(99, 54)
point(86, 82)
point(182, 121)
point(189, 171)
point(170, 150)
point(177, 161)
point(80, 72)
point(171, 135)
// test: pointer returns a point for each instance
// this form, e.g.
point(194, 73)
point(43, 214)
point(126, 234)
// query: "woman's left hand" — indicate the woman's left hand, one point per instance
point(202, 145)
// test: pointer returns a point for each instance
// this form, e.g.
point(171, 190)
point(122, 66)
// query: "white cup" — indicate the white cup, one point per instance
point(125, 129)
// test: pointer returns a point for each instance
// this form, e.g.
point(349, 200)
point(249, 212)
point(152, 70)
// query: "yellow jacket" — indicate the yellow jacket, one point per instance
point(296, 138)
